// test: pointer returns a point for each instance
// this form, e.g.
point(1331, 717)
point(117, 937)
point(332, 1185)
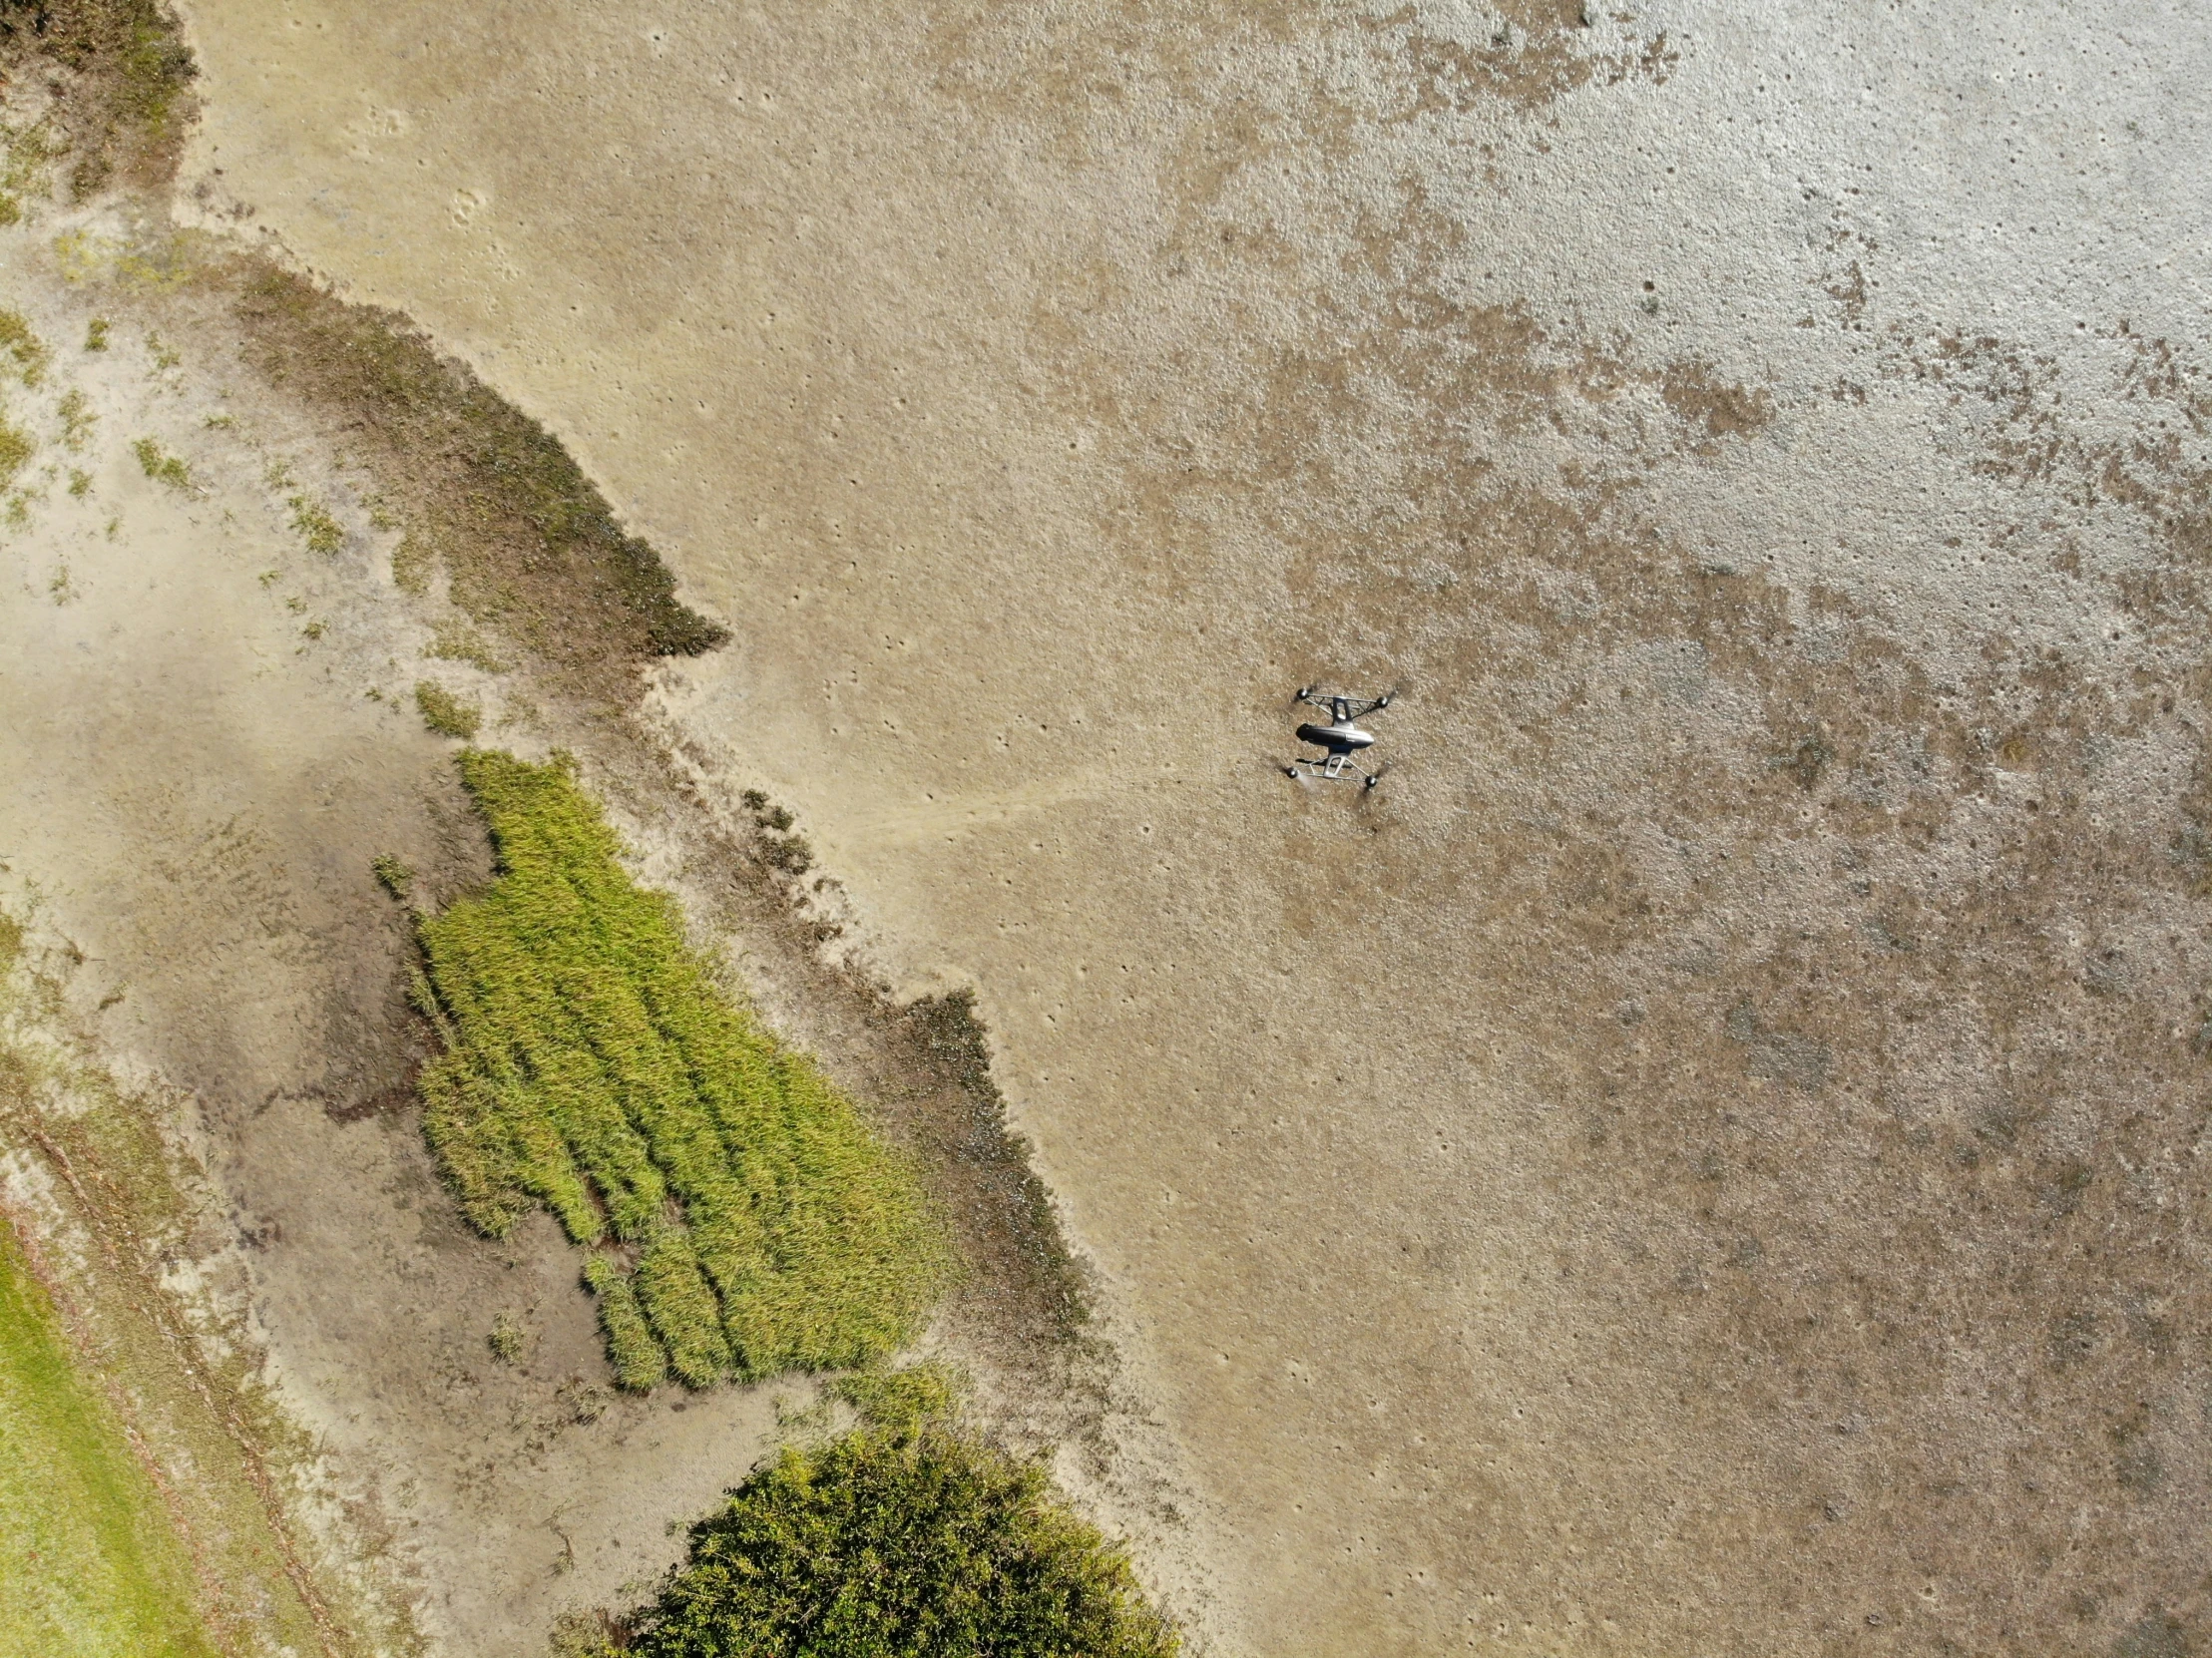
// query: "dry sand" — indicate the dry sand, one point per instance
point(1705, 1158)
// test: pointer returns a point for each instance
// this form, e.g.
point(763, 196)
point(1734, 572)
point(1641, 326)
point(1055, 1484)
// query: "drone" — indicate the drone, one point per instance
point(1341, 738)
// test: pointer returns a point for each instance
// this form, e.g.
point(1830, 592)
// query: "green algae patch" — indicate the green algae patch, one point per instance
point(746, 1219)
point(920, 1541)
point(90, 1562)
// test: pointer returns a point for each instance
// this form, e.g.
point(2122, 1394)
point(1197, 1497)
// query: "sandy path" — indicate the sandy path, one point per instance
point(1637, 1181)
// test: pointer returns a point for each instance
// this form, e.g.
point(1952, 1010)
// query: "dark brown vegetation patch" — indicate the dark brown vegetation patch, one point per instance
point(528, 543)
point(125, 76)
point(983, 1170)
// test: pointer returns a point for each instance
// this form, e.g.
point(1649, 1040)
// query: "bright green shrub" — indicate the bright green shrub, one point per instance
point(590, 1065)
point(924, 1543)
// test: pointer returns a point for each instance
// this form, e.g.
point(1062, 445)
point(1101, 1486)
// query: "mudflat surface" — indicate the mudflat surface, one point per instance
point(1706, 1157)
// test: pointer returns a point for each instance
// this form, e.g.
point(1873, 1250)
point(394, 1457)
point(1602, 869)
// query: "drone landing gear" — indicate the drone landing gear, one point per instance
point(1338, 768)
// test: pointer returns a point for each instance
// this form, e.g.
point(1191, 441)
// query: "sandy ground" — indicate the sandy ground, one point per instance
point(1706, 1157)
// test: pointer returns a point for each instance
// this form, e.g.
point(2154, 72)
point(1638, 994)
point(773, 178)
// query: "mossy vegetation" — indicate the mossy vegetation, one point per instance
point(747, 1220)
point(446, 713)
point(917, 1540)
point(412, 564)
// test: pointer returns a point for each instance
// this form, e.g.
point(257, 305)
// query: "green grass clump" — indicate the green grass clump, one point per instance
point(29, 352)
point(926, 1542)
point(161, 467)
point(446, 713)
point(592, 1065)
point(903, 1398)
point(317, 527)
point(16, 449)
point(392, 874)
point(640, 1362)
point(508, 1338)
point(88, 1559)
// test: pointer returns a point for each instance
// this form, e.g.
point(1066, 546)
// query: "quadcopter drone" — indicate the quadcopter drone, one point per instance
point(1340, 739)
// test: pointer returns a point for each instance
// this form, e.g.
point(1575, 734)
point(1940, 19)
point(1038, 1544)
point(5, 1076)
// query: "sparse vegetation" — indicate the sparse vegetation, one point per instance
point(412, 561)
point(129, 89)
point(446, 713)
point(527, 541)
point(95, 334)
point(787, 852)
point(454, 640)
point(80, 481)
point(912, 1542)
point(590, 1065)
point(162, 467)
point(96, 1557)
point(24, 153)
point(78, 421)
point(790, 854)
point(508, 1338)
point(16, 450)
point(393, 875)
point(322, 532)
point(28, 351)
